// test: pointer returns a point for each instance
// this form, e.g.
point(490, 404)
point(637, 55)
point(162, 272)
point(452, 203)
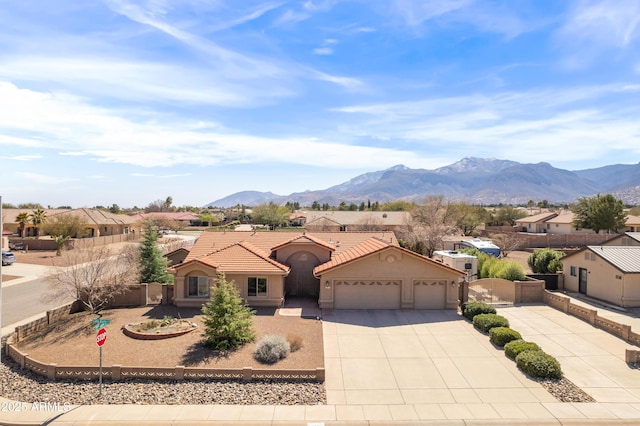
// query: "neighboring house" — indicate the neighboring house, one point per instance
point(98, 222)
point(563, 224)
point(626, 239)
point(177, 256)
point(181, 218)
point(341, 270)
point(632, 223)
point(356, 220)
point(534, 223)
point(609, 273)
point(5, 239)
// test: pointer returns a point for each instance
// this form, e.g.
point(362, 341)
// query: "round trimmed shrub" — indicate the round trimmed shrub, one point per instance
point(515, 347)
point(511, 270)
point(500, 336)
point(485, 322)
point(271, 349)
point(471, 309)
point(539, 364)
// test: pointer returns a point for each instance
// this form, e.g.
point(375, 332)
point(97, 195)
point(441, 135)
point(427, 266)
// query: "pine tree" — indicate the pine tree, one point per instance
point(228, 322)
point(153, 267)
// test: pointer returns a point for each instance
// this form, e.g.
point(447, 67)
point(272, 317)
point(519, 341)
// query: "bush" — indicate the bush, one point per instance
point(485, 322)
point(539, 364)
point(471, 309)
point(271, 349)
point(488, 266)
point(500, 336)
point(515, 347)
point(545, 261)
point(510, 270)
point(295, 342)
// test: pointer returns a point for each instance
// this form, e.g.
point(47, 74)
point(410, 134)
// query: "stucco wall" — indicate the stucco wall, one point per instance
point(323, 254)
point(604, 281)
point(389, 266)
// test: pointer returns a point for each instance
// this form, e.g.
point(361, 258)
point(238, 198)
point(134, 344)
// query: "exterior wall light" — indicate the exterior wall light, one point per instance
point(327, 284)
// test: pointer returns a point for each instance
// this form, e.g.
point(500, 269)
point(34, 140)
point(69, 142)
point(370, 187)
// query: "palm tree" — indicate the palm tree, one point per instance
point(22, 218)
point(38, 217)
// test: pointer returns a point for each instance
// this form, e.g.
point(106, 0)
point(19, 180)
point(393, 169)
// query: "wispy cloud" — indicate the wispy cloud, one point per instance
point(45, 179)
point(21, 157)
point(593, 28)
point(169, 176)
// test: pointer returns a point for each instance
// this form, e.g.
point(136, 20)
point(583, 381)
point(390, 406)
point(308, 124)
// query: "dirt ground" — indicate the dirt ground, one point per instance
point(74, 343)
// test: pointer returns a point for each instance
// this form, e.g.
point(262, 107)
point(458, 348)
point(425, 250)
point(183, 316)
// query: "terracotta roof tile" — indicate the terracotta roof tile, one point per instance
point(305, 238)
point(239, 258)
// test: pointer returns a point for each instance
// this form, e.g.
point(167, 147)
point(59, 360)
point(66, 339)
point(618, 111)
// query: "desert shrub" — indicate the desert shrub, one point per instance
point(515, 347)
point(295, 342)
point(471, 309)
point(167, 320)
point(485, 322)
point(489, 265)
point(271, 349)
point(500, 336)
point(539, 364)
point(545, 261)
point(148, 325)
point(228, 322)
point(510, 270)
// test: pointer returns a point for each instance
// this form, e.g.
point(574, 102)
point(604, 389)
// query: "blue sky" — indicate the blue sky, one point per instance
point(125, 102)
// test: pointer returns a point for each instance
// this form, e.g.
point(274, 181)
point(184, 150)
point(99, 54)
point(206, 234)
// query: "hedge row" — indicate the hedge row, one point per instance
point(529, 357)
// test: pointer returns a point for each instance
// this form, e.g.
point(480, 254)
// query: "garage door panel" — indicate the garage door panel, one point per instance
point(367, 294)
point(429, 294)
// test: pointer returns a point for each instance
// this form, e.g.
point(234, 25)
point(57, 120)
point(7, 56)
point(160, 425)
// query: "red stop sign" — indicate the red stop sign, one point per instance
point(101, 337)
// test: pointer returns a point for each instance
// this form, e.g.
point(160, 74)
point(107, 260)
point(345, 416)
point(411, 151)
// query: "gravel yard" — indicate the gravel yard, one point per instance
point(74, 344)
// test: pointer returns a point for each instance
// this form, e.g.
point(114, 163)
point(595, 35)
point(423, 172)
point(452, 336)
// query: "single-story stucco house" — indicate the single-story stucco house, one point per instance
point(340, 270)
point(607, 272)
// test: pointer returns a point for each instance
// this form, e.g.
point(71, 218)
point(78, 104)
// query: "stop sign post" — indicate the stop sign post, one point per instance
point(101, 338)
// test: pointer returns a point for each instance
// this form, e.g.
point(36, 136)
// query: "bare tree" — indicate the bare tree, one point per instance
point(63, 227)
point(508, 242)
point(95, 276)
point(430, 222)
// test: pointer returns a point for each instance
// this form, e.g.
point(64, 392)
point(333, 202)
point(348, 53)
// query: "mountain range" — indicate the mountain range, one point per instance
point(475, 180)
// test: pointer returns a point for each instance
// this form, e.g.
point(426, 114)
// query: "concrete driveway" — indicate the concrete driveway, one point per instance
point(430, 365)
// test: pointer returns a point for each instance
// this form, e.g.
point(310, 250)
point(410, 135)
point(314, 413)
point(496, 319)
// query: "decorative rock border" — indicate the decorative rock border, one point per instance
point(154, 336)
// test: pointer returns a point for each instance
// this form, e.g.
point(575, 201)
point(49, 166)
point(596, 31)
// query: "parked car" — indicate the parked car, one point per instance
point(16, 246)
point(7, 258)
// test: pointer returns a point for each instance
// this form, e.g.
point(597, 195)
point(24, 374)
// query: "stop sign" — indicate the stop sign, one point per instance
point(101, 337)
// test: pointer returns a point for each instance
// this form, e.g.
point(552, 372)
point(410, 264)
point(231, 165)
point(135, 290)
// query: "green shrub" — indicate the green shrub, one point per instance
point(490, 264)
point(515, 347)
point(545, 261)
point(539, 364)
point(500, 336)
point(271, 349)
point(510, 270)
point(485, 322)
point(471, 309)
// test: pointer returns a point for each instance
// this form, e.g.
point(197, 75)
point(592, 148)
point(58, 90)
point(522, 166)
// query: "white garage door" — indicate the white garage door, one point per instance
point(429, 294)
point(367, 294)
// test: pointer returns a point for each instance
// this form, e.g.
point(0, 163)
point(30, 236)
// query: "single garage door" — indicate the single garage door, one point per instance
point(383, 294)
point(429, 294)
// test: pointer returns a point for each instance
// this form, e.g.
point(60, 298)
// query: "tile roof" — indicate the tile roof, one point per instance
point(305, 238)
point(359, 218)
point(563, 217)
point(625, 258)
point(170, 215)
point(89, 216)
point(369, 247)
point(266, 240)
point(242, 257)
point(540, 217)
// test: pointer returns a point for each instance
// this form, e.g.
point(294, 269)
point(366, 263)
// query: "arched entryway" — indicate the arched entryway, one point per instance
point(300, 282)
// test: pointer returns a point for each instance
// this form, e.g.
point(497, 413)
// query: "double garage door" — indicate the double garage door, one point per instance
point(386, 294)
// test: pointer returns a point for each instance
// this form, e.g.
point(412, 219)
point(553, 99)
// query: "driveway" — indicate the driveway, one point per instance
point(428, 365)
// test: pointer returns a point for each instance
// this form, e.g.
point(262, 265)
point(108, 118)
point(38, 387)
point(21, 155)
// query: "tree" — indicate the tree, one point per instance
point(31, 206)
point(271, 214)
point(546, 261)
point(153, 267)
point(468, 216)
point(430, 222)
point(228, 323)
point(38, 217)
point(507, 215)
point(22, 218)
point(208, 217)
point(599, 213)
point(168, 202)
point(63, 227)
point(115, 209)
point(508, 242)
point(397, 206)
point(95, 276)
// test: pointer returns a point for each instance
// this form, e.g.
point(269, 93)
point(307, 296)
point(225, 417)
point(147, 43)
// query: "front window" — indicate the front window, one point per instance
point(198, 287)
point(257, 287)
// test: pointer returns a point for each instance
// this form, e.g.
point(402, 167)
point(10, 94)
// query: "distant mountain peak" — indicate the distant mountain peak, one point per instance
point(476, 165)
